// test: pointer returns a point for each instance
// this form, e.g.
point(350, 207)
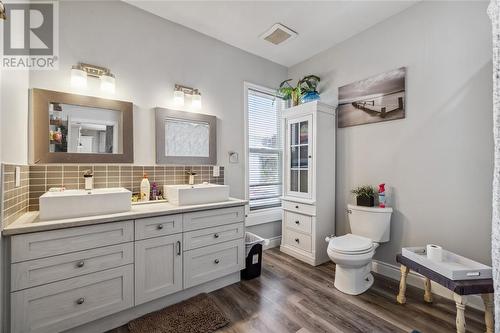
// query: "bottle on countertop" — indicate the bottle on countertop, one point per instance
point(154, 192)
point(381, 195)
point(145, 188)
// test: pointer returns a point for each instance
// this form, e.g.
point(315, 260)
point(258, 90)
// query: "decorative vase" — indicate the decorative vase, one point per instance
point(309, 97)
point(365, 201)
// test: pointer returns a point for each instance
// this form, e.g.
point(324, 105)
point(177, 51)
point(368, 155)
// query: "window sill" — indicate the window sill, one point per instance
point(263, 216)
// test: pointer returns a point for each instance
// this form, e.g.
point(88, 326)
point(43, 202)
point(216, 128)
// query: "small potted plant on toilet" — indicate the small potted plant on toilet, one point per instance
point(365, 195)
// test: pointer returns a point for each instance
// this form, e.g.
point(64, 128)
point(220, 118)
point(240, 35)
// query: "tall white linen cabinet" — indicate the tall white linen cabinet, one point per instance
point(308, 181)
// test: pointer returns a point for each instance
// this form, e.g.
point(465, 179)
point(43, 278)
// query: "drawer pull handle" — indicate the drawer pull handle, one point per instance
point(178, 248)
point(80, 264)
point(80, 301)
point(216, 235)
point(297, 222)
point(297, 240)
point(159, 227)
point(216, 261)
point(296, 207)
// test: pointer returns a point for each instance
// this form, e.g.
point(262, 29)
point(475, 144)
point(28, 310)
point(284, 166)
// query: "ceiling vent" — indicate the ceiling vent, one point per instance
point(278, 34)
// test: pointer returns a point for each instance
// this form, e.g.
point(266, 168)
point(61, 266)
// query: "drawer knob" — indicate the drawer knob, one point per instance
point(297, 222)
point(80, 301)
point(216, 261)
point(296, 207)
point(216, 235)
point(160, 226)
point(80, 264)
point(297, 240)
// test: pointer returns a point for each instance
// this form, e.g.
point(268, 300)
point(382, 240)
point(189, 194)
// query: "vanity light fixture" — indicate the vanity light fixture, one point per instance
point(196, 100)
point(78, 77)
point(180, 92)
point(108, 83)
point(3, 16)
point(178, 98)
point(80, 72)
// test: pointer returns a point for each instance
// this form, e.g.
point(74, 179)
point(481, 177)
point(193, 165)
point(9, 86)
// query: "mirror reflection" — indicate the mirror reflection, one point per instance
point(85, 130)
point(187, 138)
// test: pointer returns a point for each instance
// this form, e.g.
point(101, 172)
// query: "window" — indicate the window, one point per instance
point(264, 160)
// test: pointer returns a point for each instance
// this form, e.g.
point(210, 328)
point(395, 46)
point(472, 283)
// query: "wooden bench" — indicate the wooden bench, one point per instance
point(460, 290)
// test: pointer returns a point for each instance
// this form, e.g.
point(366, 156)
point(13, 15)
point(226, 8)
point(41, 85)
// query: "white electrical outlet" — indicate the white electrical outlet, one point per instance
point(216, 171)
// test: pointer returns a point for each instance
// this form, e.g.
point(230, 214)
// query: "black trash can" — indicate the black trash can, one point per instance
point(253, 247)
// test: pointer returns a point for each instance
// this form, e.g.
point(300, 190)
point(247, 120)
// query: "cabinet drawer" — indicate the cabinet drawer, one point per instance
point(50, 243)
point(63, 305)
point(213, 217)
point(211, 236)
point(298, 240)
point(299, 208)
point(211, 262)
point(298, 222)
point(158, 226)
point(33, 273)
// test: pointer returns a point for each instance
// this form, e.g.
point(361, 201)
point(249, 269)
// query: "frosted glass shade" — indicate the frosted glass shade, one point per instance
point(108, 84)
point(178, 98)
point(196, 102)
point(78, 78)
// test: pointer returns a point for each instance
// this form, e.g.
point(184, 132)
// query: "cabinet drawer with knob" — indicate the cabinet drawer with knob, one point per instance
point(33, 273)
point(298, 207)
point(158, 226)
point(298, 240)
point(298, 222)
point(60, 306)
point(211, 262)
point(211, 236)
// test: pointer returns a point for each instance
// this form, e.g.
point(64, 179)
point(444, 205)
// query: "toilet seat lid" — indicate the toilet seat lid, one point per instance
point(350, 244)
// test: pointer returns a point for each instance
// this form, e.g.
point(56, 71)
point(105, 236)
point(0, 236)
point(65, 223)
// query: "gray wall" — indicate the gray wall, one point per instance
point(438, 162)
point(149, 55)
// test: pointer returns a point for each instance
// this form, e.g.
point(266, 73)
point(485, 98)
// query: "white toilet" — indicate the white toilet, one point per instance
point(353, 253)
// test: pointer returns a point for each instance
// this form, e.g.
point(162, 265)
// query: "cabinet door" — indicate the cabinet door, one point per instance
point(158, 267)
point(299, 159)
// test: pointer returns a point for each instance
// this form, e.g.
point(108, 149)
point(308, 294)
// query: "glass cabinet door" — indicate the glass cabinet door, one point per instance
point(299, 150)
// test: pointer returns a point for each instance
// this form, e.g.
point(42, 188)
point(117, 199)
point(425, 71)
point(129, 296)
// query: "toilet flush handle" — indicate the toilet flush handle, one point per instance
point(348, 211)
point(329, 238)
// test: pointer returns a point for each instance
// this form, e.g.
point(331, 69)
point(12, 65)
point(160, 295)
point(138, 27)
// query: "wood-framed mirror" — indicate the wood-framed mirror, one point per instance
point(185, 138)
point(70, 128)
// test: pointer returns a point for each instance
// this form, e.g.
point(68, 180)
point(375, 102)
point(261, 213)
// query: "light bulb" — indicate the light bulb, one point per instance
point(178, 98)
point(108, 83)
point(196, 101)
point(78, 78)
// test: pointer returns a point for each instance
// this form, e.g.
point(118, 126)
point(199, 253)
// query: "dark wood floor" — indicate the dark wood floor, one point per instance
point(291, 296)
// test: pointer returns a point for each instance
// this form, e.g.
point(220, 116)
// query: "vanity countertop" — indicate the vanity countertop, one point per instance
point(29, 222)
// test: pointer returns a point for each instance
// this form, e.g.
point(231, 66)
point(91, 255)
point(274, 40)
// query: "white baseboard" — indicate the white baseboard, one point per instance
point(417, 280)
point(273, 242)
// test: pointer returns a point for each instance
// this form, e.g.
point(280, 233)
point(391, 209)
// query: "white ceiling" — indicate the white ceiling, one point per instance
point(320, 24)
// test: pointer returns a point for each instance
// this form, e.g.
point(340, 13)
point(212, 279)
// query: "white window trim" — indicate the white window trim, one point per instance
point(261, 216)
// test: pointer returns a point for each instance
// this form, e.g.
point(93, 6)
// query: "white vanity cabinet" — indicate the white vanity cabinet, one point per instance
point(62, 279)
point(308, 181)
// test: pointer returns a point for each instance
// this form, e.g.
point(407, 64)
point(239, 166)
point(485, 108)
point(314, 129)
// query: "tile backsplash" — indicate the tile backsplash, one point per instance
point(70, 176)
point(15, 200)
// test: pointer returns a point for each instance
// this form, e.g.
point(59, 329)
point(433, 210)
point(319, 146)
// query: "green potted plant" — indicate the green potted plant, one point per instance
point(365, 195)
point(305, 90)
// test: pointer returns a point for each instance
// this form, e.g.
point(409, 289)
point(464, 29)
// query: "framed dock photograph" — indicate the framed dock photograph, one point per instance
point(375, 99)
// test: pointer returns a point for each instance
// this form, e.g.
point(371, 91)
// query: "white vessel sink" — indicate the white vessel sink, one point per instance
point(182, 195)
point(80, 203)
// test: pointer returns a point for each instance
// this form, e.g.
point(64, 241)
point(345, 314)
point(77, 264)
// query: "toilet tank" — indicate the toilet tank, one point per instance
point(370, 222)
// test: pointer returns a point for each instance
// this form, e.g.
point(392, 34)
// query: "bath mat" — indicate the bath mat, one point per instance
point(199, 314)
